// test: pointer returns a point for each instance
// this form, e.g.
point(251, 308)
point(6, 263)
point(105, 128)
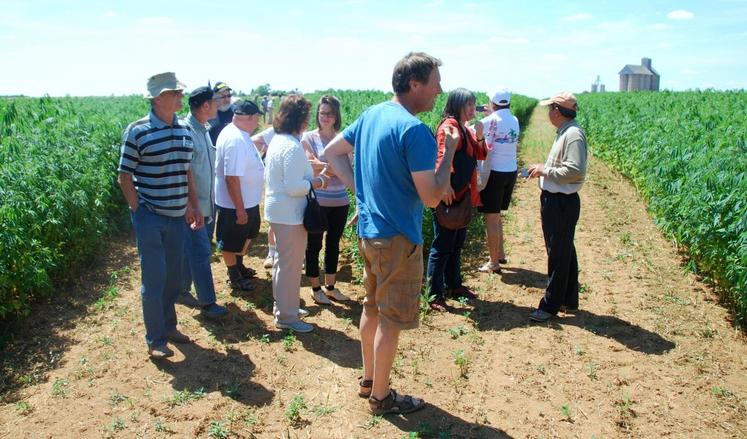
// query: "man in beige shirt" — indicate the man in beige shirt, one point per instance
point(560, 179)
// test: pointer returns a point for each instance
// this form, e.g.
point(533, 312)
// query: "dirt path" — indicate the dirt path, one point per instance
point(650, 354)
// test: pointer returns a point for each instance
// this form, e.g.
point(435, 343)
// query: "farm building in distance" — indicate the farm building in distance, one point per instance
point(597, 86)
point(642, 77)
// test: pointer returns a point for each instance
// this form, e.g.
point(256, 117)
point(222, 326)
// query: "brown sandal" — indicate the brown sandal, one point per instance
point(365, 387)
point(390, 404)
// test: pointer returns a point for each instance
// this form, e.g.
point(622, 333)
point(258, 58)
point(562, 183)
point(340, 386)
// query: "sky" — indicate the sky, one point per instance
point(536, 48)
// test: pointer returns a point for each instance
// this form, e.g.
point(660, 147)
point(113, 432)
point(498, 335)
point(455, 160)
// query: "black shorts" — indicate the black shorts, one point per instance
point(497, 193)
point(230, 236)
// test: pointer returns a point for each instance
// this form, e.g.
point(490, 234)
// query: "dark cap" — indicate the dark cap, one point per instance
point(199, 96)
point(248, 108)
point(221, 86)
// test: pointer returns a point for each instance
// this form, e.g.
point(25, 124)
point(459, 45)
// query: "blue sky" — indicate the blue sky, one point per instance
point(536, 48)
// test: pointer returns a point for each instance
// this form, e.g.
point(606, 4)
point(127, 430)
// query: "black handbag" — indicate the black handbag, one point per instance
point(313, 220)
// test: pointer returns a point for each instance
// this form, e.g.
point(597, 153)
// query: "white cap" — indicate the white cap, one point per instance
point(501, 97)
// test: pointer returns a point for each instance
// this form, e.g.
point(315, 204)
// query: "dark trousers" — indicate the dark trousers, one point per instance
point(559, 217)
point(336, 218)
point(445, 259)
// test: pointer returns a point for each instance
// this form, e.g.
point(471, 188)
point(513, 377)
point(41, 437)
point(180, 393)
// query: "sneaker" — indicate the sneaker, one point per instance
point(297, 326)
point(540, 316)
point(242, 284)
point(213, 311)
point(160, 352)
point(463, 291)
point(489, 268)
point(187, 299)
point(337, 295)
point(247, 272)
point(177, 337)
point(320, 298)
point(302, 313)
point(269, 261)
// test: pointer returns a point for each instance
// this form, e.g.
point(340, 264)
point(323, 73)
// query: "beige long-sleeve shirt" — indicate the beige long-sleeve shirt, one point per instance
point(565, 169)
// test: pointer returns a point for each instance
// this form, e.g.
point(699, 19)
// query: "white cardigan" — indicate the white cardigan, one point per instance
point(288, 175)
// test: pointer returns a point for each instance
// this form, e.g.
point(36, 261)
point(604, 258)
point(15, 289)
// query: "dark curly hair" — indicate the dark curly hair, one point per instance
point(293, 113)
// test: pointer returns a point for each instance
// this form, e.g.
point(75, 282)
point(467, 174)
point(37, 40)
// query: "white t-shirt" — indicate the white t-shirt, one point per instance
point(501, 129)
point(238, 157)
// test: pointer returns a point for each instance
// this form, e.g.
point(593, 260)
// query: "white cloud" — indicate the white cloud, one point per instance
point(661, 26)
point(555, 57)
point(109, 14)
point(577, 17)
point(680, 14)
point(156, 21)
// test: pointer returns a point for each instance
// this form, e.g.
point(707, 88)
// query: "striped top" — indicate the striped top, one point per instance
point(334, 195)
point(158, 156)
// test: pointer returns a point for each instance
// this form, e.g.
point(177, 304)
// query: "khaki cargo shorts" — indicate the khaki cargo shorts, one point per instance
point(393, 278)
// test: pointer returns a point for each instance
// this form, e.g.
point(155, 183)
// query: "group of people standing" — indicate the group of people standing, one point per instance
point(388, 158)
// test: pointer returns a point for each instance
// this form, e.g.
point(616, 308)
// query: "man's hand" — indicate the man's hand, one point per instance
point(194, 218)
point(536, 170)
point(241, 217)
point(448, 197)
point(451, 135)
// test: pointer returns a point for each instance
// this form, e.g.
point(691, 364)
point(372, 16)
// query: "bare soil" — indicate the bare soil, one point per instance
point(651, 353)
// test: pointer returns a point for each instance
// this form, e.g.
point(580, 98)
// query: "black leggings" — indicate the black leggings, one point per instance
point(336, 218)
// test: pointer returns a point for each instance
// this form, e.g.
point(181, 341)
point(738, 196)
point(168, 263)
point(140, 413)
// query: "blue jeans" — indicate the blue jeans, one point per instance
point(445, 259)
point(196, 265)
point(160, 244)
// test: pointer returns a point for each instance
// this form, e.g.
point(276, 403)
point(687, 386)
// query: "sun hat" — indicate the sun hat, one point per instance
point(162, 82)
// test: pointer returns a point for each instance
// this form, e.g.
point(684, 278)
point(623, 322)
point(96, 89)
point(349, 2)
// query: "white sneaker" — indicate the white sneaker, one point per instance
point(337, 295)
point(320, 298)
point(302, 313)
point(269, 261)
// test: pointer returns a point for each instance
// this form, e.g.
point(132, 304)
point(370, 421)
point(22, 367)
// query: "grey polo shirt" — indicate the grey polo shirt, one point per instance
point(203, 164)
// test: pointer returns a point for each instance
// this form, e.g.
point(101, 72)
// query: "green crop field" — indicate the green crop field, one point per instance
point(58, 193)
point(687, 154)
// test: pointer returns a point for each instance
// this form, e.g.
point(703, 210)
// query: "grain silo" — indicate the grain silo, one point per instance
point(639, 77)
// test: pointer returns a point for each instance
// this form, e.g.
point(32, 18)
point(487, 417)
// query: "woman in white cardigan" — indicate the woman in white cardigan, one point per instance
point(288, 178)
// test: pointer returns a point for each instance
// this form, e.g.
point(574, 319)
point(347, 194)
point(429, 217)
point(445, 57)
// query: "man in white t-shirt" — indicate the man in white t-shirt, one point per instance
point(239, 181)
point(501, 129)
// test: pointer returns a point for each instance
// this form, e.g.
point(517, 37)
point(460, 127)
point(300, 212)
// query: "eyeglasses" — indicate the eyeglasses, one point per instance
point(326, 114)
point(224, 96)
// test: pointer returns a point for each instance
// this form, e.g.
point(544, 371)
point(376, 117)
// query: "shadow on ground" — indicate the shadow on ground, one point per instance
point(434, 422)
point(209, 370)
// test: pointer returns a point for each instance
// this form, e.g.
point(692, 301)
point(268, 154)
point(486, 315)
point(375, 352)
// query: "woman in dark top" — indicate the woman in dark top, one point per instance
point(444, 260)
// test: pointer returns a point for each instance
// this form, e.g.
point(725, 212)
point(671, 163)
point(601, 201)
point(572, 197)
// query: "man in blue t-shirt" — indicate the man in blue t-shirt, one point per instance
point(395, 175)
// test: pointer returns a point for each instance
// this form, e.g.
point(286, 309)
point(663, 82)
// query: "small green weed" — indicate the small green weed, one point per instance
point(59, 388)
point(289, 342)
point(24, 408)
point(565, 409)
point(457, 331)
point(462, 361)
point(184, 397)
point(293, 411)
point(218, 430)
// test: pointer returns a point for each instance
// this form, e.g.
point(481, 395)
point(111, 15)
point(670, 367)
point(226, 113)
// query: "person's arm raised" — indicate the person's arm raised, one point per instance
point(430, 185)
point(337, 153)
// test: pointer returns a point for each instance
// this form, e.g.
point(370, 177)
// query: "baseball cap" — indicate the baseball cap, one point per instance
point(501, 97)
point(162, 82)
point(200, 95)
point(563, 99)
point(221, 86)
point(244, 107)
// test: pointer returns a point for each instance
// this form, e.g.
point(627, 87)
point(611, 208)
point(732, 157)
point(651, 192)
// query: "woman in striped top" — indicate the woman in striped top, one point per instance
point(333, 201)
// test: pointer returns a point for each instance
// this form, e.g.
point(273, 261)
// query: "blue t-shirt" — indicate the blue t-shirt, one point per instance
point(390, 143)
